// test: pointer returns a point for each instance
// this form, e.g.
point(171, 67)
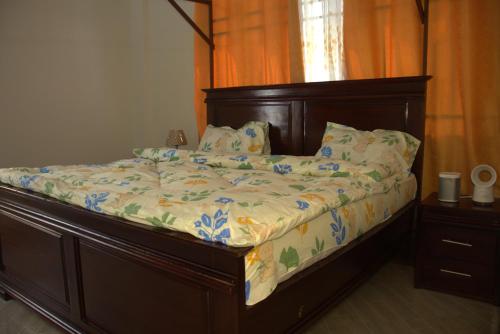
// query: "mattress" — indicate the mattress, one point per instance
point(277, 260)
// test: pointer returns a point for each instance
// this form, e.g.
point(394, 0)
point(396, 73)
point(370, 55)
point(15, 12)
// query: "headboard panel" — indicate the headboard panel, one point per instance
point(298, 113)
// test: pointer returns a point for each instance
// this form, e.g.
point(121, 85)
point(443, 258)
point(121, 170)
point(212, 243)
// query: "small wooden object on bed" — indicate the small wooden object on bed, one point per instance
point(94, 273)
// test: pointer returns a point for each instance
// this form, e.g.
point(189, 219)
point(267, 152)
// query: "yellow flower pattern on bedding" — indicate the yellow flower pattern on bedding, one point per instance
point(240, 200)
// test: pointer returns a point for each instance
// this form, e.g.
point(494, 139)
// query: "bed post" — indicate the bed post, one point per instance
point(208, 39)
point(423, 12)
point(4, 295)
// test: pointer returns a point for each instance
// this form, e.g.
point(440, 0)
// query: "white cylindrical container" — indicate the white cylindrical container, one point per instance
point(449, 187)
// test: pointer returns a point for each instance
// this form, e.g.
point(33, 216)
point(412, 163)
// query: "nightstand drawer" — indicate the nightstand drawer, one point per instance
point(459, 277)
point(460, 244)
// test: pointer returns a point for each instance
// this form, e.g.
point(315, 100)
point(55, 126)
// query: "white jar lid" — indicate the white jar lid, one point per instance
point(450, 175)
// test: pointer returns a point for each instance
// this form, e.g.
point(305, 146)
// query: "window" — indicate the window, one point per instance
point(322, 39)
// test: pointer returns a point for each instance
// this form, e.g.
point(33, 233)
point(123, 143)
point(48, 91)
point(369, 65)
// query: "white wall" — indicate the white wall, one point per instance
point(86, 81)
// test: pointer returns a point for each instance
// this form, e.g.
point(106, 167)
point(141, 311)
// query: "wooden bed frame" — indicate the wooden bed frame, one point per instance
point(93, 273)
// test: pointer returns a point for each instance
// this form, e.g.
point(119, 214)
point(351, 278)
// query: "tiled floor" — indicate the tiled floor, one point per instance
point(387, 303)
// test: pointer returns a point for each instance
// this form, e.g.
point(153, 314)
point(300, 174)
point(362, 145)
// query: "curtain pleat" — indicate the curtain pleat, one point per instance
point(382, 38)
point(256, 43)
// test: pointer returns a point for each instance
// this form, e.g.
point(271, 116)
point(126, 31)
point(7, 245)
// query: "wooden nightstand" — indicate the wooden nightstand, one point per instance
point(458, 249)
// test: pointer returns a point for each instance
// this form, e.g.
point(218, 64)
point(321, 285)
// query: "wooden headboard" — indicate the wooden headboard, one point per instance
point(298, 113)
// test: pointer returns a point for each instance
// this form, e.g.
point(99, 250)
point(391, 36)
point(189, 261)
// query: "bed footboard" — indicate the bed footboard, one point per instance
point(87, 281)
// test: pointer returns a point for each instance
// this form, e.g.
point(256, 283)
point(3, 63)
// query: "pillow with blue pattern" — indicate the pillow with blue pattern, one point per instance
point(252, 138)
point(396, 150)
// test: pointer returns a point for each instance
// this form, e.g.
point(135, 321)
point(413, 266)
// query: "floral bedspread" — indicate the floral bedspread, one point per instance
point(238, 200)
point(277, 260)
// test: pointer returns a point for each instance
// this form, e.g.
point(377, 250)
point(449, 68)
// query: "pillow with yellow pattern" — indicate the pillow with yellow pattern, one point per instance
point(396, 150)
point(252, 138)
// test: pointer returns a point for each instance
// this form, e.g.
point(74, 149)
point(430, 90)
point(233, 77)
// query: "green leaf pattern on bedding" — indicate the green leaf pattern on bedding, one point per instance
point(289, 257)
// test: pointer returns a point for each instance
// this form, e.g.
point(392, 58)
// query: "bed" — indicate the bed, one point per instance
point(94, 273)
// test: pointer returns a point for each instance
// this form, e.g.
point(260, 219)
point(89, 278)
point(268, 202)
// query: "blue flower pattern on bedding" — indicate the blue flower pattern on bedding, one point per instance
point(239, 179)
point(303, 205)
point(239, 158)
point(250, 133)
point(212, 229)
point(93, 201)
point(330, 166)
point(170, 154)
point(200, 160)
point(282, 169)
point(224, 200)
point(338, 229)
point(248, 286)
point(326, 152)
point(26, 180)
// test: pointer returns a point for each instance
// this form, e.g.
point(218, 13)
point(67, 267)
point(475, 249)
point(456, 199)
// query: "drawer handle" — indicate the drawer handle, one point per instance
point(457, 243)
point(455, 273)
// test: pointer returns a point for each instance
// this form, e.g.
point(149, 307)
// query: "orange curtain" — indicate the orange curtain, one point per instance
point(382, 39)
point(256, 42)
